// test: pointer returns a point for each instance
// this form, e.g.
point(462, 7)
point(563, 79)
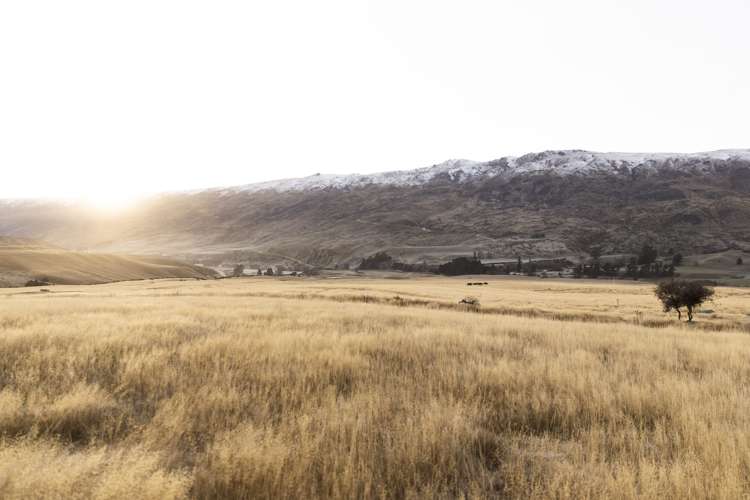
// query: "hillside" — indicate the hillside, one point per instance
point(23, 260)
point(553, 203)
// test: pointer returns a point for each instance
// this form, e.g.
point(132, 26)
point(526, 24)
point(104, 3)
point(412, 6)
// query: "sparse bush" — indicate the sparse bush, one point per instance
point(239, 270)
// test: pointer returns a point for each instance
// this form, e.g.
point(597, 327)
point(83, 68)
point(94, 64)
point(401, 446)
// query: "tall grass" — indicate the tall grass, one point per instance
point(210, 393)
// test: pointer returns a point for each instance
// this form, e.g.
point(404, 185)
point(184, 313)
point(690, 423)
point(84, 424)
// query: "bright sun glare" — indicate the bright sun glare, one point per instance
point(110, 201)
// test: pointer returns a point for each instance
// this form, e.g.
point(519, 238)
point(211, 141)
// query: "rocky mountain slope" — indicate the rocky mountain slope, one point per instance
point(553, 203)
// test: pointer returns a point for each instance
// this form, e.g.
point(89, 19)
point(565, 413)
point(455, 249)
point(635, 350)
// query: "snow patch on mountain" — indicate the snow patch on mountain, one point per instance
point(568, 162)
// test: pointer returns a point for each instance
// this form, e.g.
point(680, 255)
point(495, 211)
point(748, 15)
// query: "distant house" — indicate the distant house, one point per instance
point(498, 262)
point(546, 274)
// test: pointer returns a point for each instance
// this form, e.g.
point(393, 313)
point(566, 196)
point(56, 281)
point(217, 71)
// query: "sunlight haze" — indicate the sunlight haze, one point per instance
point(109, 100)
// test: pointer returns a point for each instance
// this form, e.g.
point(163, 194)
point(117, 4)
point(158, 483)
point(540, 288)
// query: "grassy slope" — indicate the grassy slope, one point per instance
point(21, 261)
point(721, 267)
point(259, 388)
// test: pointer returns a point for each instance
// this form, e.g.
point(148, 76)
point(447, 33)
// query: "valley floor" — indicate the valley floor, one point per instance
point(371, 388)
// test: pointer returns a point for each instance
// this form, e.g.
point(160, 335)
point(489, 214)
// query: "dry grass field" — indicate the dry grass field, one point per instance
point(371, 388)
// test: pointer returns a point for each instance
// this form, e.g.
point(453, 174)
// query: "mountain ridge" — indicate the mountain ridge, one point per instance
point(552, 203)
point(565, 162)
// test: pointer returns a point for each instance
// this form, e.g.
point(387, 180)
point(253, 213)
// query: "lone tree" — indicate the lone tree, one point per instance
point(596, 251)
point(677, 259)
point(676, 294)
point(647, 255)
point(238, 270)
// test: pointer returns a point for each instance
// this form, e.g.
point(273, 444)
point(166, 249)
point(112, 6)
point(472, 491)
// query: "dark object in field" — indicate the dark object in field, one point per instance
point(470, 301)
point(37, 283)
point(477, 283)
point(676, 294)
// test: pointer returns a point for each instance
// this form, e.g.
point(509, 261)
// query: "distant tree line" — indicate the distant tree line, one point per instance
point(646, 264)
point(463, 265)
point(381, 261)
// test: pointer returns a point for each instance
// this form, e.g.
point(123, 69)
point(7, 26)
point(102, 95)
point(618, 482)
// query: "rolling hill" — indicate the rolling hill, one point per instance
point(554, 203)
point(23, 260)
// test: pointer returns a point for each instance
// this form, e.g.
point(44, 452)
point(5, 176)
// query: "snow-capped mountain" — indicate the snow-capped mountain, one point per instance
point(452, 168)
point(569, 162)
point(540, 204)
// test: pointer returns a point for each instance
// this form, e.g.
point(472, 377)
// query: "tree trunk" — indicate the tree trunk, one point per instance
point(679, 314)
point(690, 314)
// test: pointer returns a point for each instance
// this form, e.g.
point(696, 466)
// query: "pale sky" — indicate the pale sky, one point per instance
point(106, 100)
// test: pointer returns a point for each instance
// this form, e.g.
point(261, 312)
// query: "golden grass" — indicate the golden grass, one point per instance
point(260, 388)
point(19, 264)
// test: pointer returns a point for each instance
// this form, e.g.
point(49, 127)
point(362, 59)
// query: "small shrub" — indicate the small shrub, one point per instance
point(470, 301)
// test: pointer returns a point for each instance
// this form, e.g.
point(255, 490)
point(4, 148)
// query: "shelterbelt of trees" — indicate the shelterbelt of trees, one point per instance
point(646, 264)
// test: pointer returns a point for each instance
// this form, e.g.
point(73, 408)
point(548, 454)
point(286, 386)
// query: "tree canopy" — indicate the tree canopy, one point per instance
point(647, 255)
point(676, 294)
